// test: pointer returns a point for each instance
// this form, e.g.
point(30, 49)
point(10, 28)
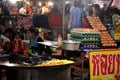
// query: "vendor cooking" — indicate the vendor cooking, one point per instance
point(34, 38)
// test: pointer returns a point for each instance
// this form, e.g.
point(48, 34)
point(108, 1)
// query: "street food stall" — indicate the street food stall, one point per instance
point(91, 43)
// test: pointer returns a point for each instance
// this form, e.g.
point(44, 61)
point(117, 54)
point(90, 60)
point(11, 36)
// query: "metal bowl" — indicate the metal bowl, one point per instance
point(70, 45)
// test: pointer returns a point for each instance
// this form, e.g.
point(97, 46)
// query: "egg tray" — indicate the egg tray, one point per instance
point(81, 40)
point(85, 36)
point(106, 40)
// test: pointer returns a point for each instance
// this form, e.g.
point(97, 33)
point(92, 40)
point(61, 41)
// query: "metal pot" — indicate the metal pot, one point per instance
point(70, 45)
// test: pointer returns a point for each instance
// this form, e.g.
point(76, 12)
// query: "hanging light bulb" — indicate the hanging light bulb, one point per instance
point(40, 4)
point(67, 2)
point(28, 2)
point(50, 3)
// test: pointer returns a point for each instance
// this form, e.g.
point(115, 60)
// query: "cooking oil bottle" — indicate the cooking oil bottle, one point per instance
point(59, 41)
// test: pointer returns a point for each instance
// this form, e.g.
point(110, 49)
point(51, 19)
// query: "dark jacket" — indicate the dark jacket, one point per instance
point(36, 47)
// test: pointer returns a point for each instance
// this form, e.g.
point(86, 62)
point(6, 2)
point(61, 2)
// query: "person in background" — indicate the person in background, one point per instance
point(22, 10)
point(39, 9)
point(54, 9)
point(102, 14)
point(10, 45)
point(67, 8)
point(34, 9)
point(15, 10)
point(67, 13)
point(4, 13)
point(28, 9)
point(95, 10)
point(15, 45)
point(107, 15)
point(9, 33)
point(34, 39)
point(3, 39)
point(3, 9)
point(18, 44)
point(45, 8)
point(76, 15)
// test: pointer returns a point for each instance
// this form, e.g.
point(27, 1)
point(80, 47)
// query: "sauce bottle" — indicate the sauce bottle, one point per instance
point(59, 41)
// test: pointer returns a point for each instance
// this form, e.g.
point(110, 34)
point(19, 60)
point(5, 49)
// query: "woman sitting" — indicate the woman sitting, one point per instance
point(16, 44)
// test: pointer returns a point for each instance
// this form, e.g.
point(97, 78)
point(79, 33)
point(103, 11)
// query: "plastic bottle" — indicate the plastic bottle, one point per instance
point(59, 41)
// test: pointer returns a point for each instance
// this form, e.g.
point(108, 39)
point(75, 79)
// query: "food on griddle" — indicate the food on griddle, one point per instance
point(55, 62)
